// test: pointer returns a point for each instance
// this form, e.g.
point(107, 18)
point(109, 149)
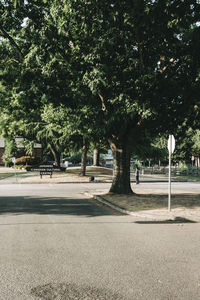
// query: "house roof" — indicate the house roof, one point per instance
point(19, 142)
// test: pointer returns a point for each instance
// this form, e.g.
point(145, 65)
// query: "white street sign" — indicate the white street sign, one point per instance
point(171, 144)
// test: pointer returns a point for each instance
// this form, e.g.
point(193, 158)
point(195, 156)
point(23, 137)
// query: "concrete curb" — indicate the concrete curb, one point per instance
point(127, 212)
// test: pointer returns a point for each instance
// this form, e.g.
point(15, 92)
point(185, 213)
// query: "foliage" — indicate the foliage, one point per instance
point(75, 158)
point(141, 70)
point(196, 143)
point(136, 164)
point(146, 76)
point(182, 167)
point(151, 148)
point(187, 144)
point(10, 151)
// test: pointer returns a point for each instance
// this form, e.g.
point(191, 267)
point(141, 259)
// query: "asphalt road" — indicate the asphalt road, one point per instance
point(57, 244)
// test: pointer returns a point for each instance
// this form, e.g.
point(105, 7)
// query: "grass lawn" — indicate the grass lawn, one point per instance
point(100, 173)
point(72, 174)
point(138, 202)
point(6, 175)
point(189, 177)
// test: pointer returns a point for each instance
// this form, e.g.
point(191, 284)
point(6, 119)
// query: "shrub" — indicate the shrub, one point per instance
point(136, 164)
point(27, 160)
point(75, 158)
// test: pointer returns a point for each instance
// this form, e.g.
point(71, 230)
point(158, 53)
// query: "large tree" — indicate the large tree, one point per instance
point(137, 59)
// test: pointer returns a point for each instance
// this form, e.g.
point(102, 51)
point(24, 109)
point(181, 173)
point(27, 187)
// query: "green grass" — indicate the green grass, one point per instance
point(6, 175)
point(189, 177)
point(141, 202)
point(91, 171)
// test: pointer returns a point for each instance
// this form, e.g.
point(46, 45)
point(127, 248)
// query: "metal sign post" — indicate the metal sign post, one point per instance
point(171, 147)
point(169, 183)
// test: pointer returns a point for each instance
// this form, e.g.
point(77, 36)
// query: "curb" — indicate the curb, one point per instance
point(127, 212)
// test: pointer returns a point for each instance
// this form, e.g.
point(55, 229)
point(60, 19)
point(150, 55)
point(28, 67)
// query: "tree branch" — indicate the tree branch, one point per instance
point(56, 35)
point(12, 41)
point(141, 57)
point(102, 101)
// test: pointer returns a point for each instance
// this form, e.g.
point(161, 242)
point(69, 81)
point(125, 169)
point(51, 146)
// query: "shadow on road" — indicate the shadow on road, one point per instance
point(175, 221)
point(51, 206)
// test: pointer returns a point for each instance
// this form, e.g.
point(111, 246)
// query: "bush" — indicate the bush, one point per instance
point(8, 163)
point(75, 158)
point(136, 164)
point(27, 160)
point(20, 167)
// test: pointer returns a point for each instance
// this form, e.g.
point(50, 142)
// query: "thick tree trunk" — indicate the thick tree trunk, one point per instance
point(96, 155)
point(56, 155)
point(121, 169)
point(84, 156)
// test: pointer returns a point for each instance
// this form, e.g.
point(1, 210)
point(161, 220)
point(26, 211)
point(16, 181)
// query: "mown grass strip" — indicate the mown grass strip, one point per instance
point(6, 175)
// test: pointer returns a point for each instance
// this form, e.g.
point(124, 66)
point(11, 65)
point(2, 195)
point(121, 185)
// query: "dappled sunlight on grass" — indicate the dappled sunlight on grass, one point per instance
point(99, 173)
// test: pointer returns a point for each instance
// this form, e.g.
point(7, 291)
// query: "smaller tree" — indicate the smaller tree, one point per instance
point(10, 151)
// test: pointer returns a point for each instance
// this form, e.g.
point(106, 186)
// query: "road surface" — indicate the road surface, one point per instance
point(57, 244)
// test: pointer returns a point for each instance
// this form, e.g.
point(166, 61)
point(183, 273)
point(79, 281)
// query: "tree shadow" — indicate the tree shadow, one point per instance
point(51, 206)
point(175, 221)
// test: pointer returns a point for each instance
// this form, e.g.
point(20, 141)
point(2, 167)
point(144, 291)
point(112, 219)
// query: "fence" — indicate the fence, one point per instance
point(174, 171)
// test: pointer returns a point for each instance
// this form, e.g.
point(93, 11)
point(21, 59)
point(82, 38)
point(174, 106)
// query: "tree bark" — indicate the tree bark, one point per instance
point(56, 155)
point(96, 155)
point(84, 156)
point(121, 168)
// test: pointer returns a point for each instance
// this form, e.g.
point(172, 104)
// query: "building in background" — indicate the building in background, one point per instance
point(2, 150)
point(108, 159)
point(37, 151)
